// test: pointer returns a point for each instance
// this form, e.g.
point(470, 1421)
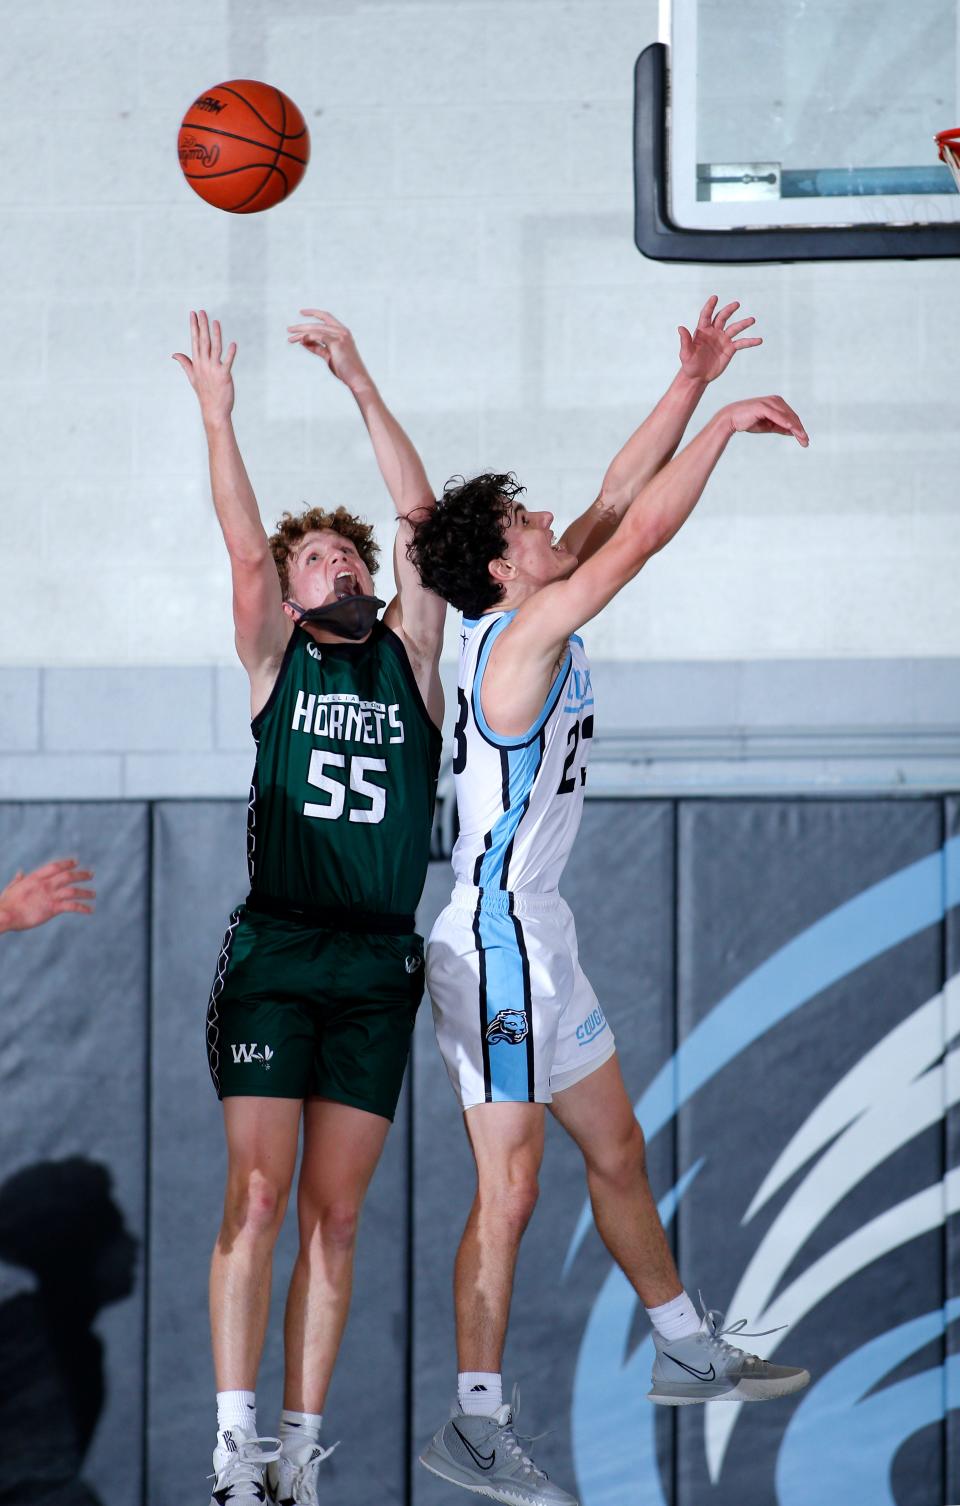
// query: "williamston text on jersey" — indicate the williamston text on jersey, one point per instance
point(345, 778)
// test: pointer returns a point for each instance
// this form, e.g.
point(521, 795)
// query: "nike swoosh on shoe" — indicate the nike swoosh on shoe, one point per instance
point(482, 1461)
point(704, 1375)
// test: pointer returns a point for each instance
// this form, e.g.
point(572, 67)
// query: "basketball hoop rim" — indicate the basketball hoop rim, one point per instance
point(949, 139)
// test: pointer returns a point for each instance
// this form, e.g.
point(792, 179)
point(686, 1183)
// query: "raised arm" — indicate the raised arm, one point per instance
point(525, 656)
point(415, 613)
point(261, 628)
point(704, 355)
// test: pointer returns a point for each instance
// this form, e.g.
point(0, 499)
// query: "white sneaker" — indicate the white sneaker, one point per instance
point(239, 1460)
point(292, 1476)
point(704, 1367)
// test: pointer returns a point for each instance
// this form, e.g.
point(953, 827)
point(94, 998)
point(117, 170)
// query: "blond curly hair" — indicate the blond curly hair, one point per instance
point(291, 529)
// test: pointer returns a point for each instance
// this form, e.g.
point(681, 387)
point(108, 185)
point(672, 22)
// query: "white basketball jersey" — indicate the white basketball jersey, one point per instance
point(519, 799)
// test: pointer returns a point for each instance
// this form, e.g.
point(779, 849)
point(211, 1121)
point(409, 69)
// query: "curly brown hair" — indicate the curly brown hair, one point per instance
point(453, 545)
point(291, 529)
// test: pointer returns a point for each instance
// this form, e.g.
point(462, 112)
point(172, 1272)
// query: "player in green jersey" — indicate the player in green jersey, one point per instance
point(321, 971)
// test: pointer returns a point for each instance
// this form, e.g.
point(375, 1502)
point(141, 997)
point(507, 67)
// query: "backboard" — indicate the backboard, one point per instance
point(797, 130)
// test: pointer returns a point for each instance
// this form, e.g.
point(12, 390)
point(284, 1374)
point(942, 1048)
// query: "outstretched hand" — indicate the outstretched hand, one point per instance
point(326, 337)
point(707, 352)
point(207, 369)
point(32, 898)
point(765, 415)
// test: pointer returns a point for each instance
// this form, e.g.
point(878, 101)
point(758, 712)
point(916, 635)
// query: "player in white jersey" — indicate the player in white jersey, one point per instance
point(519, 802)
point(518, 1025)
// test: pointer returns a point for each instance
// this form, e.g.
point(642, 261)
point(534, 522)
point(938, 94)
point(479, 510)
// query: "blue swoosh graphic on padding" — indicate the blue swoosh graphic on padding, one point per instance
point(839, 1447)
point(862, 928)
point(612, 1436)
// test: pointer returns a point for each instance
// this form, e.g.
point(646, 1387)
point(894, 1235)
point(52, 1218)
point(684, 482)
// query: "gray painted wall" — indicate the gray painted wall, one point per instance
point(775, 974)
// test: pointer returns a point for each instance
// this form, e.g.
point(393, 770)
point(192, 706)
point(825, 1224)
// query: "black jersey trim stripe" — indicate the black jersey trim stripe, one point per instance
point(282, 672)
point(478, 865)
point(397, 647)
point(508, 854)
point(527, 999)
point(505, 795)
point(482, 1000)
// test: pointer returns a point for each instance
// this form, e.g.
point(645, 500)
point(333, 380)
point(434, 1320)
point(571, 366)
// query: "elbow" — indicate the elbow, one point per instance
point(247, 553)
point(652, 526)
point(614, 498)
point(649, 539)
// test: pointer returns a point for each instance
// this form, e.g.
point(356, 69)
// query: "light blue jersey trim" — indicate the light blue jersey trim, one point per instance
point(556, 690)
point(524, 764)
point(506, 995)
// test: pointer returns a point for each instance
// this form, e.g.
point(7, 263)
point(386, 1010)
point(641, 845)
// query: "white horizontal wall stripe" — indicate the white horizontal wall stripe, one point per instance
point(661, 728)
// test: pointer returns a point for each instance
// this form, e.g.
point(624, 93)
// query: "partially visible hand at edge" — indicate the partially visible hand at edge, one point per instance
point(30, 899)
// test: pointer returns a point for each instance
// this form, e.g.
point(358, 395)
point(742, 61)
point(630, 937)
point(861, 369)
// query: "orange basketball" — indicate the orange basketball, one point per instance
point(243, 146)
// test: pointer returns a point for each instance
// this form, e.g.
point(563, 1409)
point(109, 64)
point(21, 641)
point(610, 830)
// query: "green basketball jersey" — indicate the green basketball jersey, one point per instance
point(346, 774)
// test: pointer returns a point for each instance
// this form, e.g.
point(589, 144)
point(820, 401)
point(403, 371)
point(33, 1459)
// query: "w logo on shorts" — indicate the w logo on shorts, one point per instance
point(248, 1054)
point(509, 1025)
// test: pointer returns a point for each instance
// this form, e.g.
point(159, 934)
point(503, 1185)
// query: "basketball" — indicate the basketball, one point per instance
point(243, 146)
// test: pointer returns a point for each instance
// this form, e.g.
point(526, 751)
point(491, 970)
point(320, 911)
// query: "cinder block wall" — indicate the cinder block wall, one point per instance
point(468, 212)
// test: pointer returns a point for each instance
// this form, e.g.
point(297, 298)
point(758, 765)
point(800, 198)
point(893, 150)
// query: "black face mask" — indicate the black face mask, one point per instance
point(349, 616)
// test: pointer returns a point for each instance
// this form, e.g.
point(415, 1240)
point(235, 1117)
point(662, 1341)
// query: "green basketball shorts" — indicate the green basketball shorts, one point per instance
point(299, 1010)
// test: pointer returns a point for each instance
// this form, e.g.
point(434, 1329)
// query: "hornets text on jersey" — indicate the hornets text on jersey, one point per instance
point(345, 778)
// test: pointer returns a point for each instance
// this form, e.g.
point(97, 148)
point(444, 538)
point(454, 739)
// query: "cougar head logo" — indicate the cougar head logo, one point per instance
point(509, 1025)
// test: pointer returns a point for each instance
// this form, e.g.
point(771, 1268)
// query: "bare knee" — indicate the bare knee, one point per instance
point(254, 1206)
point(622, 1159)
point(506, 1203)
point(330, 1223)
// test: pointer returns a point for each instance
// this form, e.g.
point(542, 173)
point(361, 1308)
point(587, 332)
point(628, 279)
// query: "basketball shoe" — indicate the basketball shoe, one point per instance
point(292, 1478)
point(704, 1367)
point(483, 1454)
point(238, 1464)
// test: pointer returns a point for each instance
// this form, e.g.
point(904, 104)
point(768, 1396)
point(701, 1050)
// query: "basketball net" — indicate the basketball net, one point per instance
point(948, 143)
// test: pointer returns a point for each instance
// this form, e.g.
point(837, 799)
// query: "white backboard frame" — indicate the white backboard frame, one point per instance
point(679, 28)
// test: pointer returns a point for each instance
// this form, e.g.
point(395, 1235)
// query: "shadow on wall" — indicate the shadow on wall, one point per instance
point(58, 1220)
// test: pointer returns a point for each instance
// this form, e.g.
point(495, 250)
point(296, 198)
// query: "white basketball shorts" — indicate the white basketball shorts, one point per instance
point(516, 1018)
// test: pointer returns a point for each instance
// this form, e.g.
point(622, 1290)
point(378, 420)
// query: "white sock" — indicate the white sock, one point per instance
point(236, 1409)
point(479, 1392)
point(300, 1424)
point(675, 1320)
